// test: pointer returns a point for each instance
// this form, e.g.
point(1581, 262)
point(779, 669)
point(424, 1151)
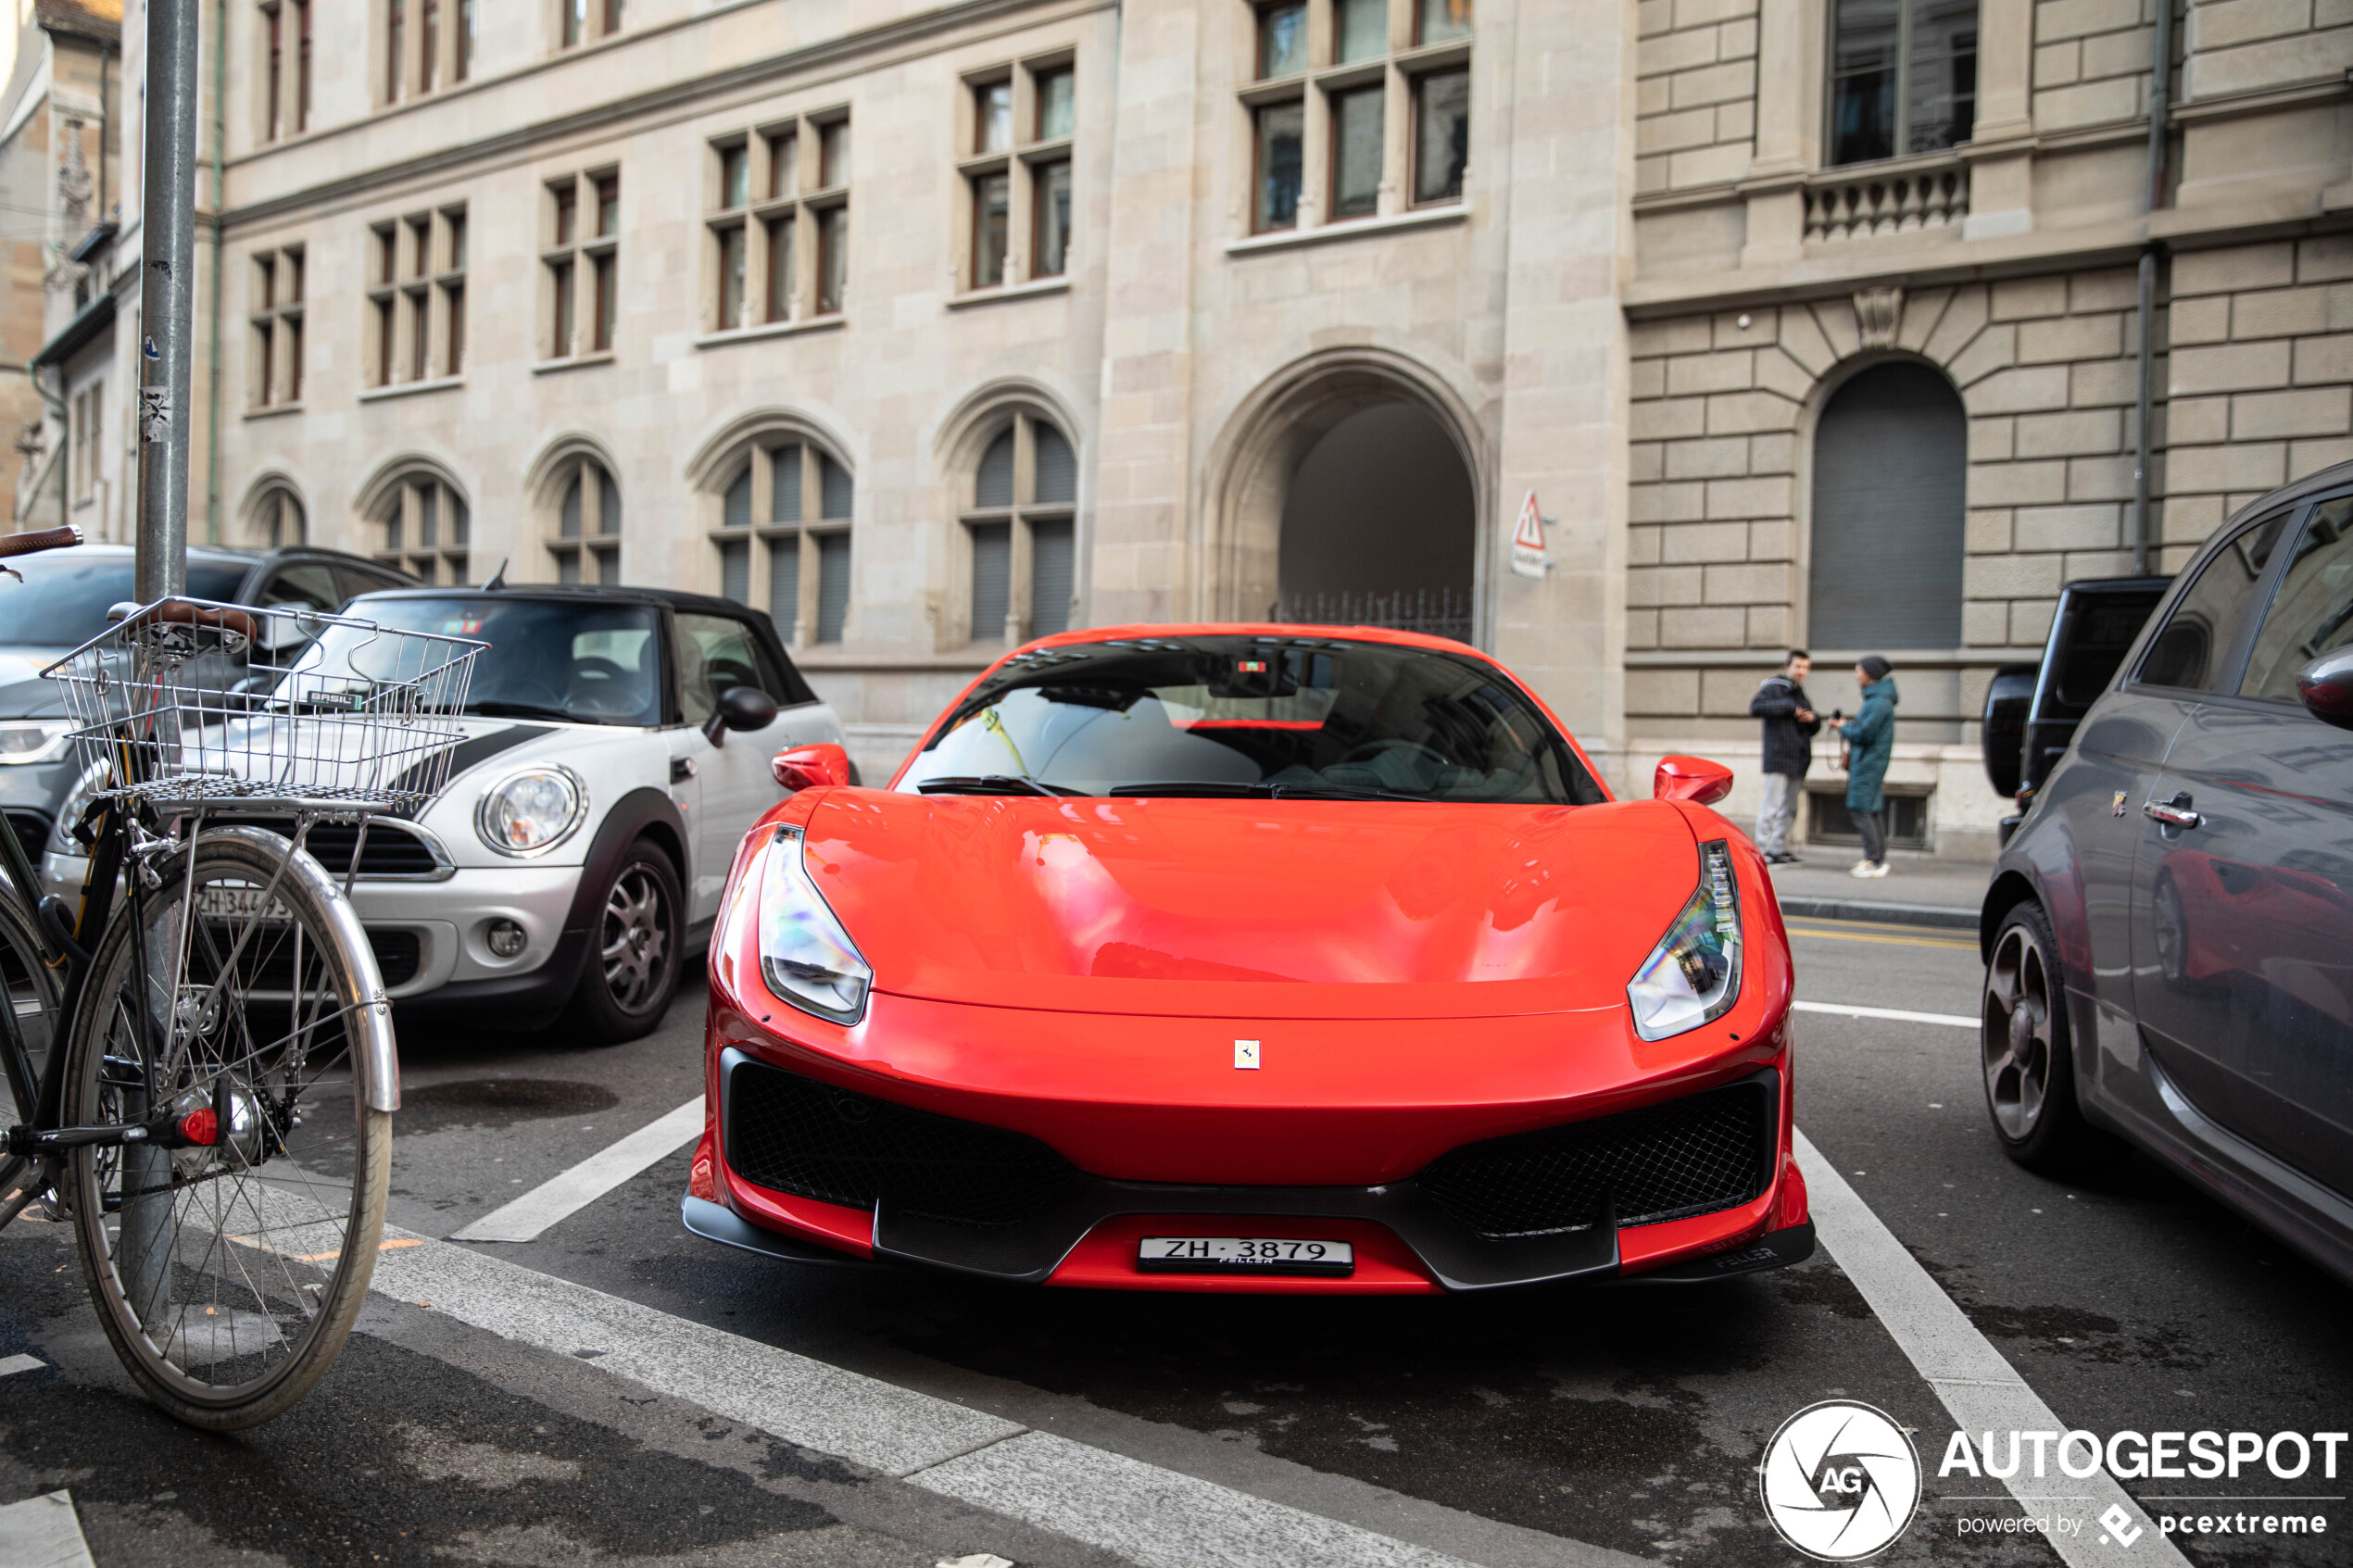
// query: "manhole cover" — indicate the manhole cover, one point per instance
point(499, 1102)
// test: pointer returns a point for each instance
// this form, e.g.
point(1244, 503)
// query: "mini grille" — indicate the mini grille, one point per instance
point(390, 851)
point(266, 963)
point(1690, 1156)
point(797, 1136)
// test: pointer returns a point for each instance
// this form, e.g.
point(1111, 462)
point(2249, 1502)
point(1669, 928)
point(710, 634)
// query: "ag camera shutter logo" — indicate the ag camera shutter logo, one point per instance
point(1839, 1481)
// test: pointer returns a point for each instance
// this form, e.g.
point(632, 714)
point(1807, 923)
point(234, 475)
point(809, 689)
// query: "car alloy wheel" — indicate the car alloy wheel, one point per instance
point(634, 940)
point(2018, 1047)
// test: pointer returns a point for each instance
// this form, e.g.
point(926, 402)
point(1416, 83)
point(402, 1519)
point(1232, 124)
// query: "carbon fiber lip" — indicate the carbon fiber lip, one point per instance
point(1456, 1256)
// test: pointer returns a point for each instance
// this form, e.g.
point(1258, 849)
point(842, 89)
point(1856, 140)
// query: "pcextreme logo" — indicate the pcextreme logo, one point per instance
point(1839, 1481)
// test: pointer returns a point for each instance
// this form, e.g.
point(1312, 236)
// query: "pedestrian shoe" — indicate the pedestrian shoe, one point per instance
point(1878, 870)
point(1861, 868)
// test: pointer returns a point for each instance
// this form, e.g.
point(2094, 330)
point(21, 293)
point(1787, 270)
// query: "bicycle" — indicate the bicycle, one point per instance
point(204, 1044)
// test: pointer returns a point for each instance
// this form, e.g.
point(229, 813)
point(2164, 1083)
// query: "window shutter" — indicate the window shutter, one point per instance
point(834, 487)
point(1057, 468)
point(833, 585)
point(784, 472)
point(1890, 457)
point(735, 510)
point(784, 585)
point(1050, 565)
point(993, 487)
point(992, 579)
point(735, 571)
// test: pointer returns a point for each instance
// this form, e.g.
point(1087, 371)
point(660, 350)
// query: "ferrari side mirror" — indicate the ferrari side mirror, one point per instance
point(1691, 778)
point(810, 767)
point(2326, 686)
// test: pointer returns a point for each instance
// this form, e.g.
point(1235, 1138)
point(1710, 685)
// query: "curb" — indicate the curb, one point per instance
point(1892, 914)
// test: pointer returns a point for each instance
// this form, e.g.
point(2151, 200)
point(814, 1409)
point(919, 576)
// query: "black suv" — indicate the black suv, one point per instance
point(62, 603)
point(2169, 936)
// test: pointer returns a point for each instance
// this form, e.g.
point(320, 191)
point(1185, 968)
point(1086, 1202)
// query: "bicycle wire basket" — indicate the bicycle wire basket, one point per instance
point(191, 703)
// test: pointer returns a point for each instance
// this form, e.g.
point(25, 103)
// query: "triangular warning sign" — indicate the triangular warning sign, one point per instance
point(1528, 540)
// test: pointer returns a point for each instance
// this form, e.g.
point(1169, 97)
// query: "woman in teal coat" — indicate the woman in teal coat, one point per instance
point(1871, 736)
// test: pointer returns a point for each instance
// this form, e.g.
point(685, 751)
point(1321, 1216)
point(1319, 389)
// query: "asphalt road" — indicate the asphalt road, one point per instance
point(1548, 1426)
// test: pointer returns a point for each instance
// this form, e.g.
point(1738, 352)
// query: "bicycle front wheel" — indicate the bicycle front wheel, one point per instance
point(228, 1258)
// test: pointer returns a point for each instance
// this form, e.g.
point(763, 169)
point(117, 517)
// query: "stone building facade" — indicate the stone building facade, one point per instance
point(929, 328)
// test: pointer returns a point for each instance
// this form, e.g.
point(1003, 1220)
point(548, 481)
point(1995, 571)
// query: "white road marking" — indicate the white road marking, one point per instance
point(559, 1197)
point(1896, 1015)
point(1977, 1383)
point(11, 1365)
point(1158, 1517)
point(41, 1532)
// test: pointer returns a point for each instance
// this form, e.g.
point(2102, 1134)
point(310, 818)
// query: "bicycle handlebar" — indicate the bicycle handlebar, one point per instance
point(34, 544)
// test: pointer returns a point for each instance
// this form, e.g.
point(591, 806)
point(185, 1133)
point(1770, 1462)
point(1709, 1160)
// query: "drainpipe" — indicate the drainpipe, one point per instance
point(212, 379)
point(2160, 74)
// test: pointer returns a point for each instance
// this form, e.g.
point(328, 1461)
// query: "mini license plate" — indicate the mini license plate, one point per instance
point(1244, 1255)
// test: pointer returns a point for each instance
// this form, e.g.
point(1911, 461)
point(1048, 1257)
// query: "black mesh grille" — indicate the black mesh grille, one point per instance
point(1690, 1156)
point(797, 1136)
point(390, 851)
point(266, 963)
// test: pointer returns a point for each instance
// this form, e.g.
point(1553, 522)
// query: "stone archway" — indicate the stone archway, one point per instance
point(1351, 490)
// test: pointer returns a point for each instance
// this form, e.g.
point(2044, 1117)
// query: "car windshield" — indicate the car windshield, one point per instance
point(63, 600)
point(576, 661)
point(1287, 717)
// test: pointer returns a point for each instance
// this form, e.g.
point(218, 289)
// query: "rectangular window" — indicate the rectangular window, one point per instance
point(991, 205)
point(612, 16)
point(567, 212)
point(1049, 247)
point(833, 587)
point(784, 585)
point(1441, 22)
point(465, 64)
point(302, 65)
point(419, 305)
point(429, 41)
point(735, 571)
point(395, 48)
point(1356, 151)
point(731, 278)
point(1902, 78)
point(832, 154)
point(1360, 29)
point(833, 258)
point(781, 267)
point(456, 295)
point(576, 21)
point(275, 379)
point(784, 167)
point(1057, 104)
point(735, 176)
point(1281, 131)
point(608, 303)
point(294, 359)
point(560, 323)
point(1282, 40)
point(1052, 562)
point(274, 20)
point(384, 337)
point(1442, 135)
point(993, 117)
point(608, 206)
point(992, 579)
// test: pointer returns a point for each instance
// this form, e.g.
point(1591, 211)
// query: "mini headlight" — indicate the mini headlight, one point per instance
point(31, 740)
point(531, 812)
point(1693, 975)
point(805, 956)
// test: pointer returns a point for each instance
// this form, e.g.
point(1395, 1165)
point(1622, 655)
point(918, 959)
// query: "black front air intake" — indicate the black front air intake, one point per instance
point(795, 1134)
point(1690, 1156)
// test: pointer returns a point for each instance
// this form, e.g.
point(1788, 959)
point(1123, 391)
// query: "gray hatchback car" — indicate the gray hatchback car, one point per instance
point(2169, 936)
point(61, 603)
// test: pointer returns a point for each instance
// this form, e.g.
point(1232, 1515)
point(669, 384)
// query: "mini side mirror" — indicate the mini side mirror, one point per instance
point(811, 767)
point(2326, 686)
point(1691, 778)
point(740, 707)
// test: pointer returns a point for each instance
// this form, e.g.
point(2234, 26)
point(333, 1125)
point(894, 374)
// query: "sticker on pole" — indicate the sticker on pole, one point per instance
point(1528, 540)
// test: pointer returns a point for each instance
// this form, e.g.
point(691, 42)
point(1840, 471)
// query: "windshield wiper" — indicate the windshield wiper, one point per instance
point(1214, 787)
point(498, 707)
point(1343, 792)
point(992, 784)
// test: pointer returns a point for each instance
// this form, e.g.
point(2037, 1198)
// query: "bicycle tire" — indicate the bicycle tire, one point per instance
point(261, 1236)
point(31, 986)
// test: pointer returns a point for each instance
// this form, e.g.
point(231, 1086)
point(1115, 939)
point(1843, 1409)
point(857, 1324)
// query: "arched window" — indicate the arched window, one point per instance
point(1022, 530)
point(781, 543)
point(276, 521)
point(421, 524)
point(1891, 454)
point(586, 546)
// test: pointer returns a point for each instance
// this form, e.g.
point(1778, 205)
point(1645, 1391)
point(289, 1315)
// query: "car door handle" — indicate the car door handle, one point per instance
point(681, 769)
point(2173, 813)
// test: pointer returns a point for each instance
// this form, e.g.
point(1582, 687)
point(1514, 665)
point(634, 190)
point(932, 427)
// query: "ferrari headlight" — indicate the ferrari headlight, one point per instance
point(32, 740)
point(805, 956)
point(530, 811)
point(1693, 975)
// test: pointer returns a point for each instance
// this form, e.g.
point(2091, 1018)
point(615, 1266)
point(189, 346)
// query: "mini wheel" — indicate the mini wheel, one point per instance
point(633, 948)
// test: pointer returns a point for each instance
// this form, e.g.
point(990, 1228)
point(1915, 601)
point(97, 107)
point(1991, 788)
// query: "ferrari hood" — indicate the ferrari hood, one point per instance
point(1252, 908)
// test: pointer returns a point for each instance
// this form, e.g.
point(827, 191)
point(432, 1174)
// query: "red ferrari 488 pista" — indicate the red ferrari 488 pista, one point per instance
point(1251, 957)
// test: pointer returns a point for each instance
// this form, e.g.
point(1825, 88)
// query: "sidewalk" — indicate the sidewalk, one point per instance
point(1918, 889)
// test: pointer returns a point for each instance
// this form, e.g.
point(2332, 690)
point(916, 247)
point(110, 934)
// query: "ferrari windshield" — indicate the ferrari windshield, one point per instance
point(575, 660)
point(1250, 716)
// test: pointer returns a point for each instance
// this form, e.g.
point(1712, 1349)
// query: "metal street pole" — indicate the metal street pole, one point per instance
point(167, 297)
